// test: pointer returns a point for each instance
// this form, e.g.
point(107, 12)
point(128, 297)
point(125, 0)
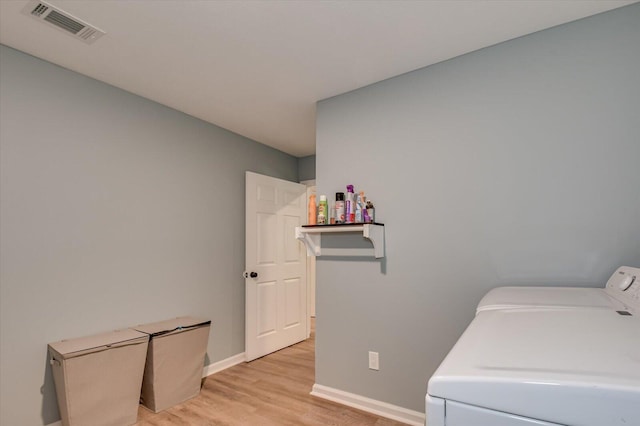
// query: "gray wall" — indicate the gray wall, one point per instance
point(516, 164)
point(115, 211)
point(307, 168)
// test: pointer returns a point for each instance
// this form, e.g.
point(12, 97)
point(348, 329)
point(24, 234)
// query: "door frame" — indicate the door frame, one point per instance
point(311, 266)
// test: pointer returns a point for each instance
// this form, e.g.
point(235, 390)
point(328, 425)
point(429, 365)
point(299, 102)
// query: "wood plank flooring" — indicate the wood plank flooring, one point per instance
point(273, 390)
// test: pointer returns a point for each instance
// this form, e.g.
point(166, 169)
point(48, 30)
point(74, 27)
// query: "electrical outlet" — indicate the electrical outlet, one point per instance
point(374, 361)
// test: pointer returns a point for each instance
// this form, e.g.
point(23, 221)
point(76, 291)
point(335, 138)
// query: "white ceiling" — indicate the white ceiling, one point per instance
point(257, 68)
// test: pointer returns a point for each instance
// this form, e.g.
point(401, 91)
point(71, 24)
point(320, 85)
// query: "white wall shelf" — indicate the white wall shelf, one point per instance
point(311, 236)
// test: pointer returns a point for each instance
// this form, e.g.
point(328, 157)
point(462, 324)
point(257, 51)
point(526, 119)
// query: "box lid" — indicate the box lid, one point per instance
point(172, 325)
point(69, 348)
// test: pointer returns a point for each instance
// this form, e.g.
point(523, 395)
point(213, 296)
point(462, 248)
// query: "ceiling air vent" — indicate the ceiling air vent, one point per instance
point(45, 12)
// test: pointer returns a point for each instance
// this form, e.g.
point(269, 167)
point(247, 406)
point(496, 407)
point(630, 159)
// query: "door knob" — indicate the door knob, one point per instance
point(251, 274)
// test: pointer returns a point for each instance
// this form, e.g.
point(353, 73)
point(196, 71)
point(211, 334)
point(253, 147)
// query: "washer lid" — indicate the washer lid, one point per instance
point(552, 297)
point(579, 367)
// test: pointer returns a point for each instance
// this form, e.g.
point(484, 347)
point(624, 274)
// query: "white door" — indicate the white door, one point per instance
point(275, 283)
point(311, 267)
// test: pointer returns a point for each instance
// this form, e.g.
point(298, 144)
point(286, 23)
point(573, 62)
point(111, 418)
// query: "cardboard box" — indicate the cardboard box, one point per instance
point(175, 360)
point(98, 378)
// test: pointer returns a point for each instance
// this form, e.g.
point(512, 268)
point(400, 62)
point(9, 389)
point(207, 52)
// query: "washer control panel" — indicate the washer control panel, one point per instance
point(624, 285)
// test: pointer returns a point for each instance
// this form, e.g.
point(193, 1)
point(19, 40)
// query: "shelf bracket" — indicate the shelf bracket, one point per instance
point(311, 241)
point(375, 234)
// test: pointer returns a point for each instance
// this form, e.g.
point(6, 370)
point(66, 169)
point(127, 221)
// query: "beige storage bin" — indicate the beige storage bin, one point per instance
point(98, 378)
point(175, 360)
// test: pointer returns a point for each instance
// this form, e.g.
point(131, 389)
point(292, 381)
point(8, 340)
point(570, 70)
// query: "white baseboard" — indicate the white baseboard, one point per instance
point(223, 365)
point(379, 408)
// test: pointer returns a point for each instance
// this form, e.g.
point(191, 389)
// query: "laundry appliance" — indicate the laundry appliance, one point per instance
point(535, 364)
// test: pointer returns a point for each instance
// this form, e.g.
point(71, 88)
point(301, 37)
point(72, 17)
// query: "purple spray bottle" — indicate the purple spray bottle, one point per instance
point(350, 206)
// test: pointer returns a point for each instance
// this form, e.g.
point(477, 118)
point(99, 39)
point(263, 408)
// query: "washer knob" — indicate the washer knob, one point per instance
point(627, 282)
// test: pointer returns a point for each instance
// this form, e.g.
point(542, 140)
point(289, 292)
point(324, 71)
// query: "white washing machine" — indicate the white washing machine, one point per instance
point(563, 297)
point(543, 366)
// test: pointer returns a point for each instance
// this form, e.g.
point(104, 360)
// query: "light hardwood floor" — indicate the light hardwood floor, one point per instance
point(273, 390)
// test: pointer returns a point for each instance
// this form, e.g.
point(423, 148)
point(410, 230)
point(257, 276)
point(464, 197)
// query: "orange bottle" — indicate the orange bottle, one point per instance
point(312, 210)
